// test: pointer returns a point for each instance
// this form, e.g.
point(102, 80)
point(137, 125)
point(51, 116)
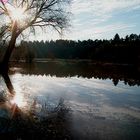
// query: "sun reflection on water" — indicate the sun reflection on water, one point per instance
point(18, 98)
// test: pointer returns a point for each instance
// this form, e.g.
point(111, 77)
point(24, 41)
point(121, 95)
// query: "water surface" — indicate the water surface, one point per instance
point(104, 102)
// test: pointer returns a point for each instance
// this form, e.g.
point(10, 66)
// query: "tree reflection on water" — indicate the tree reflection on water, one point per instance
point(48, 123)
point(127, 73)
point(96, 109)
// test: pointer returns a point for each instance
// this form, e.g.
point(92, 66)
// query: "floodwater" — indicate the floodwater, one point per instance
point(103, 101)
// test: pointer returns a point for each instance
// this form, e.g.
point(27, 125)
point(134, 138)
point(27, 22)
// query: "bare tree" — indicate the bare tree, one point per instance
point(20, 15)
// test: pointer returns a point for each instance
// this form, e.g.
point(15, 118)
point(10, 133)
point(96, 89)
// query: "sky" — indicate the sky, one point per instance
point(100, 19)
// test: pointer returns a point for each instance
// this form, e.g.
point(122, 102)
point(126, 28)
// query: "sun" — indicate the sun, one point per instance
point(17, 14)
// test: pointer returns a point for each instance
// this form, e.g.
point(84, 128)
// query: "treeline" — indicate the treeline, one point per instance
point(116, 50)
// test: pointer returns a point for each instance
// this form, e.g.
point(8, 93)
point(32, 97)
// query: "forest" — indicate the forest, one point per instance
point(117, 50)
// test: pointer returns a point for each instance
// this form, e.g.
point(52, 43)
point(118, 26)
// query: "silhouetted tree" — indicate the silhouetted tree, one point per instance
point(125, 50)
point(116, 38)
point(32, 14)
point(29, 56)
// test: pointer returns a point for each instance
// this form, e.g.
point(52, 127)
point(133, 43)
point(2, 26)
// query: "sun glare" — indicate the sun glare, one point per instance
point(18, 14)
point(18, 98)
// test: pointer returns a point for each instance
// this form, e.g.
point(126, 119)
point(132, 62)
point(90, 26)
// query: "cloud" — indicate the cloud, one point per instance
point(99, 11)
point(99, 32)
point(100, 19)
point(93, 17)
point(99, 7)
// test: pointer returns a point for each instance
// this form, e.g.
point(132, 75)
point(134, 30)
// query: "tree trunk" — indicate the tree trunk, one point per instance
point(8, 83)
point(10, 48)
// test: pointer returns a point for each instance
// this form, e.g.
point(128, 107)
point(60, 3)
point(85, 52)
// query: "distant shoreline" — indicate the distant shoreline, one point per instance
point(89, 61)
